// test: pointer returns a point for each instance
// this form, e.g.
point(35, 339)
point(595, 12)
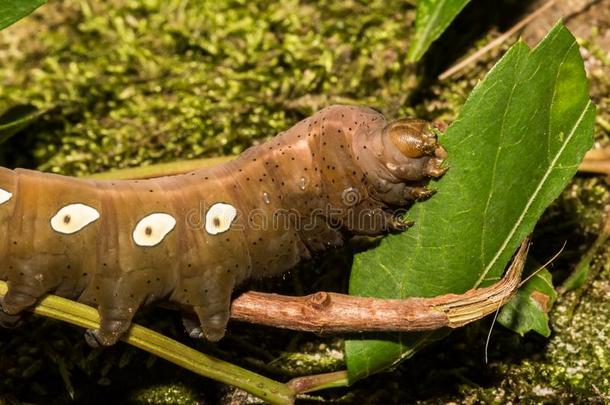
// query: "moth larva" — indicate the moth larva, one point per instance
point(192, 238)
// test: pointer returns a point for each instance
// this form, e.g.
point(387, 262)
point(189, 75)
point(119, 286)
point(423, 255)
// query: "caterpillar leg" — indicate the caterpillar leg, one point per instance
point(418, 193)
point(434, 167)
point(213, 322)
point(192, 326)
point(214, 314)
point(320, 235)
point(18, 299)
point(395, 222)
point(118, 300)
point(114, 322)
point(28, 280)
point(429, 163)
point(9, 321)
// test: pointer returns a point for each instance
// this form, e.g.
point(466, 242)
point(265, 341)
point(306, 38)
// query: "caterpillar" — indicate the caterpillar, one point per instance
point(192, 238)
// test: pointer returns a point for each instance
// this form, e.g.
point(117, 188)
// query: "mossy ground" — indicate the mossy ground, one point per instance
point(134, 82)
point(131, 83)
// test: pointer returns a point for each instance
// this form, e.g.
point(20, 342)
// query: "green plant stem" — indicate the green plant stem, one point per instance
point(162, 169)
point(582, 275)
point(81, 315)
point(301, 385)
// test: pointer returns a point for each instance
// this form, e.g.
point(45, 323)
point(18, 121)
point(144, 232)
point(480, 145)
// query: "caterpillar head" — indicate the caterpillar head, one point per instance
point(410, 150)
point(398, 159)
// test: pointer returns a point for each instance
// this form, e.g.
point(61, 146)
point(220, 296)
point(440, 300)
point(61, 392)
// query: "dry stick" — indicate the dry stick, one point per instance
point(324, 312)
point(458, 310)
point(540, 268)
point(496, 42)
point(521, 284)
point(598, 154)
point(596, 161)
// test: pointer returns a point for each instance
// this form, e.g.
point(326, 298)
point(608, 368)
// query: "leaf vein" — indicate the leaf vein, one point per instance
point(533, 197)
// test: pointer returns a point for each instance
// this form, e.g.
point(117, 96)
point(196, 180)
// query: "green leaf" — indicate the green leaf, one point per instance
point(514, 147)
point(528, 310)
point(578, 277)
point(15, 119)
point(433, 18)
point(12, 11)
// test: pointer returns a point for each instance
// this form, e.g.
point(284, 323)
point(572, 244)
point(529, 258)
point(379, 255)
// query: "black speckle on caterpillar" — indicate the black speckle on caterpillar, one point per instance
point(190, 239)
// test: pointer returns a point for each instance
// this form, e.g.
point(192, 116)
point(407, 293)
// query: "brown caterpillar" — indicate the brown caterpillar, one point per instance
point(191, 238)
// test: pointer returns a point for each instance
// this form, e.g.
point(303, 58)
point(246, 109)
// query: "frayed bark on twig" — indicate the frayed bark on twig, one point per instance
point(324, 312)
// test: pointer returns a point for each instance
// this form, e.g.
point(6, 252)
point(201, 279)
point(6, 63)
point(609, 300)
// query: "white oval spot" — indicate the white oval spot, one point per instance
point(219, 217)
point(74, 217)
point(5, 196)
point(151, 229)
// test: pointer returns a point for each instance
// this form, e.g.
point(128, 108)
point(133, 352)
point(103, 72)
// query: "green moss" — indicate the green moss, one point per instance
point(576, 363)
point(135, 82)
point(162, 394)
point(129, 83)
point(312, 358)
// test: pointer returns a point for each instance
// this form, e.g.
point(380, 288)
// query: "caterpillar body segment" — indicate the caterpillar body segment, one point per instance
point(191, 238)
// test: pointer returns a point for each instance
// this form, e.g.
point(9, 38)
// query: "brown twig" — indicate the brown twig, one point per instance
point(324, 312)
point(496, 42)
point(596, 161)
